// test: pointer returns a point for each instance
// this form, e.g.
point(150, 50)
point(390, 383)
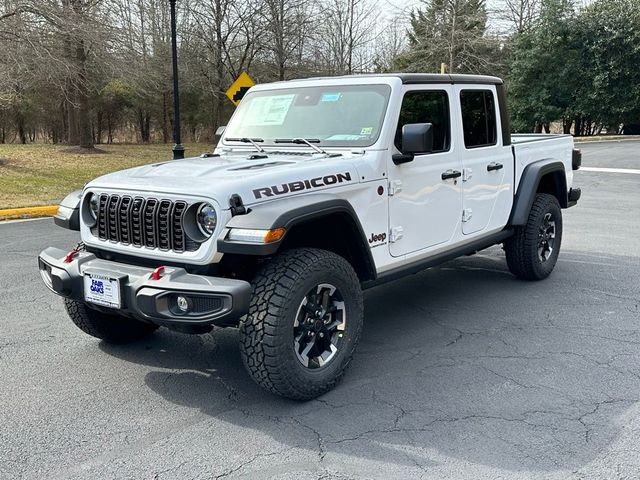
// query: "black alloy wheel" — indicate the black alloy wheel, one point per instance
point(319, 326)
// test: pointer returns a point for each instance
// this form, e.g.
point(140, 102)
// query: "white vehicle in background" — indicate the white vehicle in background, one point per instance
point(318, 189)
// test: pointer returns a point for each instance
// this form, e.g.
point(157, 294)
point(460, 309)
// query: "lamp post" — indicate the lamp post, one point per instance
point(178, 149)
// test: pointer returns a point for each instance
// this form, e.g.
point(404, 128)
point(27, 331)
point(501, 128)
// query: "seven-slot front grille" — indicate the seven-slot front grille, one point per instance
point(143, 222)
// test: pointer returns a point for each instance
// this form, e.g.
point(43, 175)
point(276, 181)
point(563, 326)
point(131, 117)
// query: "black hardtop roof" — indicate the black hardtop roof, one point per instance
point(417, 78)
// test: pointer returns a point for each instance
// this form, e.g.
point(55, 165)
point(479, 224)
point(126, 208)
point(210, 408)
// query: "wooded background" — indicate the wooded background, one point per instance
point(86, 72)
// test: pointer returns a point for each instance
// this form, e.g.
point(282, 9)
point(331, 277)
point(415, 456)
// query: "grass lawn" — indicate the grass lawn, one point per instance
point(32, 175)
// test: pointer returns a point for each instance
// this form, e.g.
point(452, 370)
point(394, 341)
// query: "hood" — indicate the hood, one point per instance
point(255, 177)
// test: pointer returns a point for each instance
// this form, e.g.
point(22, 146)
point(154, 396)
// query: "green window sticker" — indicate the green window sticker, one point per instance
point(366, 131)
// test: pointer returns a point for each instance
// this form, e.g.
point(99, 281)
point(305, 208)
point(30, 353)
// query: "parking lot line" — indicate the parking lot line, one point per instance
point(611, 170)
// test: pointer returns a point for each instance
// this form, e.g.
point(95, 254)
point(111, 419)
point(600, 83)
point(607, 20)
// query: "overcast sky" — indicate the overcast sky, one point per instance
point(407, 5)
point(395, 6)
point(392, 8)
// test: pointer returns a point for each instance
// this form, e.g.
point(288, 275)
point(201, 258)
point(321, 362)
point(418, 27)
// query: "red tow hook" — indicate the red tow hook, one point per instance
point(157, 273)
point(70, 255)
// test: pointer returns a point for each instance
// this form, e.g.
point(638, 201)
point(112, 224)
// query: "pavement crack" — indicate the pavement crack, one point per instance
point(156, 475)
point(455, 340)
point(582, 418)
point(604, 337)
point(510, 379)
point(319, 440)
point(401, 412)
point(246, 463)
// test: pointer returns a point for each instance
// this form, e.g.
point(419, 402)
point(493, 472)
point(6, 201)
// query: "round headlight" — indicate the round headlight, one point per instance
point(94, 201)
point(207, 219)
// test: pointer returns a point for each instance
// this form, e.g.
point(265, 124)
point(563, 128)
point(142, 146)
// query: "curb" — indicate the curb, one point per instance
point(616, 138)
point(28, 212)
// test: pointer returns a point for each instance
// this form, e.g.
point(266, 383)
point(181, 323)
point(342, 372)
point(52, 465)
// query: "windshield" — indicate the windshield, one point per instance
point(338, 116)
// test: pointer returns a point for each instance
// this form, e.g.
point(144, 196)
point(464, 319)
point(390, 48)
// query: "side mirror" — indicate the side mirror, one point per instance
point(218, 134)
point(416, 138)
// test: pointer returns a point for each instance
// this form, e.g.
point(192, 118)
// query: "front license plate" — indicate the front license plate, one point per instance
point(102, 290)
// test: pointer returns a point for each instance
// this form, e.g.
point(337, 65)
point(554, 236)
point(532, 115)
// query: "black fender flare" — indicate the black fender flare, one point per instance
point(528, 187)
point(287, 213)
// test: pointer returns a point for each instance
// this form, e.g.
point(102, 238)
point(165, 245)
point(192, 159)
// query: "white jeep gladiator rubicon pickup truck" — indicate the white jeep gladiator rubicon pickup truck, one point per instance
point(317, 189)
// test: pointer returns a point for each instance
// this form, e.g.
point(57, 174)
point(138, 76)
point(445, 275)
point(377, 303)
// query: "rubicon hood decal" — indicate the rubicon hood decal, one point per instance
point(300, 185)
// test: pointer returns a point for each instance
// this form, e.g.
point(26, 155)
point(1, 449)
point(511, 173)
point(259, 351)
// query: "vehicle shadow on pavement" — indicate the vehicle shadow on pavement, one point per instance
point(460, 362)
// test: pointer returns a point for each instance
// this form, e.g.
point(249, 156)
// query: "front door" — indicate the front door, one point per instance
point(424, 207)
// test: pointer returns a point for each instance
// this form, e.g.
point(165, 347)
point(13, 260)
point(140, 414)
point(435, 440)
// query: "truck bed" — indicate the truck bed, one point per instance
point(531, 147)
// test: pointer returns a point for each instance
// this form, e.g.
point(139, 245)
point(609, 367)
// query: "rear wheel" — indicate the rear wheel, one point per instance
point(533, 250)
point(303, 324)
point(110, 328)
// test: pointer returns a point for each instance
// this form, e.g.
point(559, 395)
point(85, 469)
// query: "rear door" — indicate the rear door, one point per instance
point(424, 208)
point(487, 164)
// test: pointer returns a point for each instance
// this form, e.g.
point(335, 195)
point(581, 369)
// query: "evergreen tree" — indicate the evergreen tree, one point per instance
point(450, 32)
point(609, 33)
point(544, 77)
point(578, 67)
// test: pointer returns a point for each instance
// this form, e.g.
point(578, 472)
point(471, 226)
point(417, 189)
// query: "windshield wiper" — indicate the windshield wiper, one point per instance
point(302, 141)
point(252, 141)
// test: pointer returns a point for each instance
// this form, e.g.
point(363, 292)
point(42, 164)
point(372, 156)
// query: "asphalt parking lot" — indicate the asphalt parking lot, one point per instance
point(462, 372)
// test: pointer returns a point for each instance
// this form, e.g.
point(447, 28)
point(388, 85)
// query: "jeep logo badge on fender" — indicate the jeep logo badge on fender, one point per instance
point(380, 237)
point(301, 185)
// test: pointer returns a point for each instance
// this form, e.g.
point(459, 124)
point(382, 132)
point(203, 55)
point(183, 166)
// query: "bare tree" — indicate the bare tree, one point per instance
point(390, 43)
point(288, 24)
point(63, 33)
point(225, 43)
point(348, 27)
point(517, 16)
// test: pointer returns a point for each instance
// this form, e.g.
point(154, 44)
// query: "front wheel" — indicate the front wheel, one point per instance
point(303, 324)
point(533, 250)
point(110, 328)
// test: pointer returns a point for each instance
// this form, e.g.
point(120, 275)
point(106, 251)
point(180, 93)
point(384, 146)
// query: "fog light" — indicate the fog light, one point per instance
point(45, 273)
point(183, 304)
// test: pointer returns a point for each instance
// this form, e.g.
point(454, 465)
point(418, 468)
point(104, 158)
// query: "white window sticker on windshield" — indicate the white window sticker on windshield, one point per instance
point(269, 110)
point(345, 136)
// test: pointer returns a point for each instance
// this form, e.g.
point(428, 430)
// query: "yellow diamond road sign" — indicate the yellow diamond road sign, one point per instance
point(239, 88)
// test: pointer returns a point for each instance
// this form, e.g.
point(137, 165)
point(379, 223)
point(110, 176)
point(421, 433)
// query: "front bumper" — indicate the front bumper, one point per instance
point(212, 300)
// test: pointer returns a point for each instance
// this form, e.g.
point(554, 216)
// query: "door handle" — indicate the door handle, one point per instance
point(451, 174)
point(494, 166)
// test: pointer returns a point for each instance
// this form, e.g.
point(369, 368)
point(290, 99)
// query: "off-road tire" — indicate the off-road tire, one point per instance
point(522, 248)
point(110, 328)
point(267, 332)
